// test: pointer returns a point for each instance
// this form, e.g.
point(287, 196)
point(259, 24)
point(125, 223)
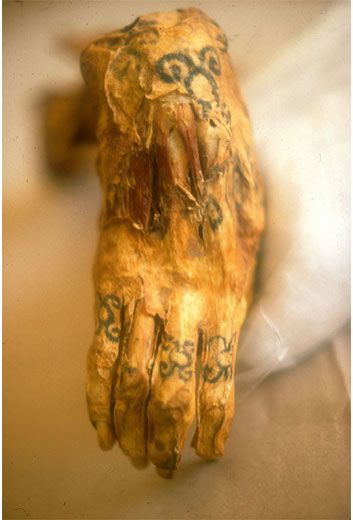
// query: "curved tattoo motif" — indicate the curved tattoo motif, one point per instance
point(223, 368)
point(169, 66)
point(214, 213)
point(105, 312)
point(176, 357)
point(179, 67)
point(199, 71)
point(209, 56)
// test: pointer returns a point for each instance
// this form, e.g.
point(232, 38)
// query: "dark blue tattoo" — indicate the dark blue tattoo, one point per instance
point(221, 368)
point(106, 307)
point(176, 358)
point(179, 67)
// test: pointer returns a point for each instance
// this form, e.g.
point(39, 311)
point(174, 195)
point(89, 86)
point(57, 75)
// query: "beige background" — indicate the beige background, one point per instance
point(287, 455)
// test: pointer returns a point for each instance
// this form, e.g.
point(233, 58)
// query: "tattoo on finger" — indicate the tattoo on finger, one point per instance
point(220, 360)
point(176, 358)
point(106, 307)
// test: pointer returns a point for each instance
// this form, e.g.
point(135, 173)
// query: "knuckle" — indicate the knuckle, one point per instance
point(176, 406)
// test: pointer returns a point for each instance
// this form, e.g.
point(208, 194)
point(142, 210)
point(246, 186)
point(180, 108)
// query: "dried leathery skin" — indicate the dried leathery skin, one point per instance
point(180, 229)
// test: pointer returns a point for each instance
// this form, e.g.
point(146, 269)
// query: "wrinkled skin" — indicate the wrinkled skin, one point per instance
point(180, 227)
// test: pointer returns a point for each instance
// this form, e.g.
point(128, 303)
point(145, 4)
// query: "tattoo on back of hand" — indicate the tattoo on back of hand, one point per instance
point(179, 67)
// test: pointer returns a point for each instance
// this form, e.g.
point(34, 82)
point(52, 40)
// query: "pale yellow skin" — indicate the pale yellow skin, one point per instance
point(175, 263)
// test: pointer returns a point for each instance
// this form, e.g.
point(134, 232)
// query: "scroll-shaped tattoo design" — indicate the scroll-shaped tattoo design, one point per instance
point(106, 307)
point(176, 358)
point(180, 230)
point(178, 67)
point(221, 368)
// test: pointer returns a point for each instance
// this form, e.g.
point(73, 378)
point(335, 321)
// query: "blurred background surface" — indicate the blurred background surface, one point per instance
point(287, 456)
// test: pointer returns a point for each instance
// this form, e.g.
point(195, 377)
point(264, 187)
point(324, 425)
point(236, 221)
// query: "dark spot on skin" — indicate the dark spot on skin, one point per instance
point(214, 213)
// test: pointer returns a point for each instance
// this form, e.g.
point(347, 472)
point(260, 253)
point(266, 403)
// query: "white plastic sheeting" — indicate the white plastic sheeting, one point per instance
point(301, 116)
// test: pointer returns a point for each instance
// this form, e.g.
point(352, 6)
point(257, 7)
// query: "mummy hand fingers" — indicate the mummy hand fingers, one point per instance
point(105, 435)
point(102, 357)
point(171, 407)
point(215, 394)
point(133, 386)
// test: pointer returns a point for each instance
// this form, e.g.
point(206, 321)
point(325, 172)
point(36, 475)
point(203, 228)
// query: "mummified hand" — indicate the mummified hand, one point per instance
point(180, 228)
